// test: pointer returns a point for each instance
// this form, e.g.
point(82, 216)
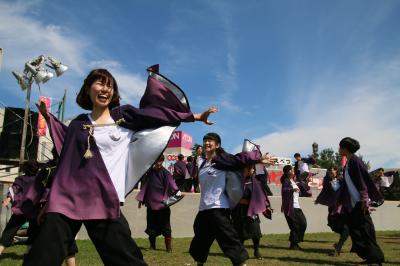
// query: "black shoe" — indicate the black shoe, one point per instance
point(295, 247)
point(152, 241)
point(257, 254)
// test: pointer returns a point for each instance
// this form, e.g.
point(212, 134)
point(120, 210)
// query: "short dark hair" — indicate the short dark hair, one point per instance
point(30, 167)
point(349, 144)
point(83, 98)
point(296, 155)
point(189, 159)
point(180, 157)
point(212, 136)
point(380, 169)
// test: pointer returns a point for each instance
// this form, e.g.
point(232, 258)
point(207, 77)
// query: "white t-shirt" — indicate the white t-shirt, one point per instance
point(212, 183)
point(303, 167)
point(335, 184)
point(296, 203)
point(113, 142)
point(354, 193)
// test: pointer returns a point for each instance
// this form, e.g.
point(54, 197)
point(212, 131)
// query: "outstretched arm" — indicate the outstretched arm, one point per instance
point(203, 117)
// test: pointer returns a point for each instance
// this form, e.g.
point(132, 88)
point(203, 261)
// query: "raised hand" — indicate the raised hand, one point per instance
point(269, 159)
point(204, 116)
point(43, 109)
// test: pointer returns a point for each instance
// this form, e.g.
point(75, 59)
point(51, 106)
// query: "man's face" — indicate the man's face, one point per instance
point(298, 158)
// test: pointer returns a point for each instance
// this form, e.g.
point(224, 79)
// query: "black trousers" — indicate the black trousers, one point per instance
point(362, 233)
point(216, 224)
point(297, 225)
point(13, 225)
point(158, 222)
point(111, 237)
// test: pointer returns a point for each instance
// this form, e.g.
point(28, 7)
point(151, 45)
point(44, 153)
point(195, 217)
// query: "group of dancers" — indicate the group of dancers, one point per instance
point(102, 155)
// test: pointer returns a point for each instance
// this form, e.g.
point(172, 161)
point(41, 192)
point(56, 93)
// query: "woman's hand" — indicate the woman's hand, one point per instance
point(204, 116)
point(269, 159)
point(365, 207)
point(43, 109)
point(5, 202)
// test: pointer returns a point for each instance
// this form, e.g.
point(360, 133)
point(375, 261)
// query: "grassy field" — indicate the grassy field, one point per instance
point(274, 248)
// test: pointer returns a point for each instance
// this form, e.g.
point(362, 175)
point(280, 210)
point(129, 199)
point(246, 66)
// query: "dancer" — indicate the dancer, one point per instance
point(157, 186)
point(302, 172)
point(337, 219)
point(291, 208)
point(245, 215)
point(357, 193)
point(180, 172)
point(194, 170)
point(213, 221)
point(17, 196)
point(102, 156)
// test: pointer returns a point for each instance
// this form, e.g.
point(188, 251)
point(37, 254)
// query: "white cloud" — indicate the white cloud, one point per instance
point(24, 36)
point(366, 110)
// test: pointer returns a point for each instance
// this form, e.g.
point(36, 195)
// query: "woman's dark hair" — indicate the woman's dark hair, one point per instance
point(217, 139)
point(30, 167)
point(180, 157)
point(296, 155)
point(83, 98)
point(349, 144)
point(189, 159)
point(286, 170)
point(213, 136)
point(332, 167)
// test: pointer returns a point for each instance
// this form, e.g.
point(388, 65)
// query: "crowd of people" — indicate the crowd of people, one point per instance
point(89, 178)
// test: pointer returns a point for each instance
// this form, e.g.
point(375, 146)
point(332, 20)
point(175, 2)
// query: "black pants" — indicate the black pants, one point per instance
point(13, 225)
point(362, 233)
point(158, 222)
point(298, 225)
point(111, 237)
point(216, 224)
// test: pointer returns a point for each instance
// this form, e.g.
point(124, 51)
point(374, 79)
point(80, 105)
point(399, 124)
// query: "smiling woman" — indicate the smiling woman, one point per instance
point(102, 156)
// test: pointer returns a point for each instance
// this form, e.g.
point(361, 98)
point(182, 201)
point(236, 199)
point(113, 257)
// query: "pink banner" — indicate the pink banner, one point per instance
point(180, 139)
point(41, 125)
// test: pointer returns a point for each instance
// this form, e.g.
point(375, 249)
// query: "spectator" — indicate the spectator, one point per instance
point(180, 172)
point(381, 181)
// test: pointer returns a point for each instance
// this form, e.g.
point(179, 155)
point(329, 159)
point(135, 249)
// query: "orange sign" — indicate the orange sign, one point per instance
point(41, 125)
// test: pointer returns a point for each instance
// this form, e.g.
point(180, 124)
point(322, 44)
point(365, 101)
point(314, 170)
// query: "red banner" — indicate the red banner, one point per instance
point(41, 125)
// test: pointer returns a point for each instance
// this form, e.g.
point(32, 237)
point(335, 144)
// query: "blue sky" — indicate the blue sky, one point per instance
point(284, 73)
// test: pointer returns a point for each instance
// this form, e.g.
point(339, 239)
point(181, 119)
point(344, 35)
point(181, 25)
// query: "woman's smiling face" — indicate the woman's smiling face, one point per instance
point(100, 94)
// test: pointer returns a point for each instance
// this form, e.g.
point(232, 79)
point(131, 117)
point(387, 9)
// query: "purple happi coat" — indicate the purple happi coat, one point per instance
point(287, 197)
point(228, 162)
point(19, 190)
point(180, 170)
point(82, 188)
point(259, 201)
point(156, 187)
point(360, 177)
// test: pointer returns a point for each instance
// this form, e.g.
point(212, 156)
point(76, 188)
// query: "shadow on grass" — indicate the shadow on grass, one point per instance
point(318, 241)
point(307, 261)
point(12, 255)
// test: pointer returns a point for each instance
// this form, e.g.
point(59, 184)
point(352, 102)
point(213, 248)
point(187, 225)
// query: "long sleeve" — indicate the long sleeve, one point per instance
point(287, 198)
point(362, 181)
point(152, 117)
point(57, 132)
point(229, 162)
